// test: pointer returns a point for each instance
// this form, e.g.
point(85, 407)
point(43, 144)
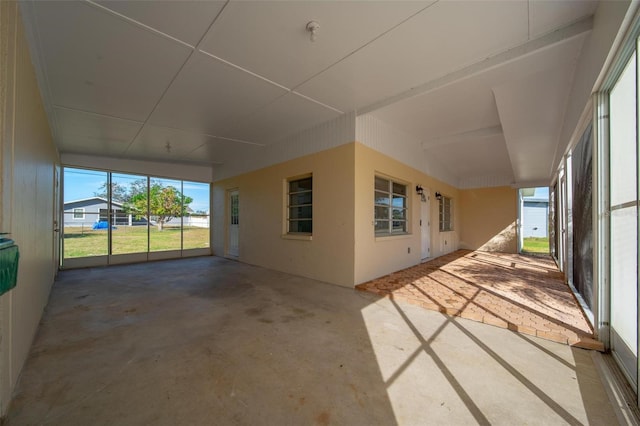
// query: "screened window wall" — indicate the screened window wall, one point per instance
point(114, 218)
point(623, 219)
point(615, 298)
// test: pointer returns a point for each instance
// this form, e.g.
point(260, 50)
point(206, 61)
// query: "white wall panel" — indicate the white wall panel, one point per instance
point(27, 211)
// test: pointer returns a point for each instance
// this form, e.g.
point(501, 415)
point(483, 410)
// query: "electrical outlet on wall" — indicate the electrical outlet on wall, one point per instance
point(408, 249)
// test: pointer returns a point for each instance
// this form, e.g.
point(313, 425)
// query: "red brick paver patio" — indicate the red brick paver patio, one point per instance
point(522, 293)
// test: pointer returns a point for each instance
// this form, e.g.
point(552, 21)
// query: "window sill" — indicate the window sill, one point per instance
point(393, 237)
point(300, 237)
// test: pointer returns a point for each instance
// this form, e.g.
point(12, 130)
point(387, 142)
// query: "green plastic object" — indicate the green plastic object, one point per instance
point(9, 256)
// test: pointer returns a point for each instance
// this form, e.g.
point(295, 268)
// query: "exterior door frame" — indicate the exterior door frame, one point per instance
point(232, 230)
point(57, 219)
point(425, 225)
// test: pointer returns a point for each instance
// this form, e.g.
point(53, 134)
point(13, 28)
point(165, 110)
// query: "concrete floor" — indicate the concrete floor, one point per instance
point(209, 341)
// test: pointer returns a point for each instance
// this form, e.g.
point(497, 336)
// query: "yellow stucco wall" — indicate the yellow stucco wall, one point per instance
point(329, 254)
point(344, 249)
point(375, 257)
point(488, 219)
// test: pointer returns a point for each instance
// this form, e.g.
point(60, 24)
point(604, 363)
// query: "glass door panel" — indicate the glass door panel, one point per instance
point(623, 225)
point(129, 233)
point(195, 227)
point(85, 195)
point(166, 210)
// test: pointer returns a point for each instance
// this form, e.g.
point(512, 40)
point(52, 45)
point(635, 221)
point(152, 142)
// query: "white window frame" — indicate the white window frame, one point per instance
point(390, 193)
point(442, 223)
point(78, 210)
point(289, 206)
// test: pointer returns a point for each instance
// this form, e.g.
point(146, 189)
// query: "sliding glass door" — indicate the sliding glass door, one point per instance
point(114, 217)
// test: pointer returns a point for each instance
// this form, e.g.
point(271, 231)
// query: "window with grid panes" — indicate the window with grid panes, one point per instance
point(390, 207)
point(300, 208)
point(446, 214)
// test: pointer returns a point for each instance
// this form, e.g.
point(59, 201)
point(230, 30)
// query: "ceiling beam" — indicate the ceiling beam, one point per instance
point(528, 48)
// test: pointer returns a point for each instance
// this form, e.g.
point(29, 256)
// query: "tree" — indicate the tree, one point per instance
point(119, 192)
point(165, 203)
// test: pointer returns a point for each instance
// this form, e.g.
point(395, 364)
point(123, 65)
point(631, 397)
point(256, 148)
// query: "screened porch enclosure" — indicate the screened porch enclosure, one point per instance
point(111, 217)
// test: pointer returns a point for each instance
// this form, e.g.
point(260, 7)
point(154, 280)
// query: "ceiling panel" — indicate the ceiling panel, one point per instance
point(184, 20)
point(473, 158)
point(469, 104)
point(288, 114)
point(217, 150)
point(270, 39)
point(153, 141)
point(209, 95)
point(96, 134)
point(97, 62)
point(445, 37)
point(531, 111)
point(452, 109)
point(546, 16)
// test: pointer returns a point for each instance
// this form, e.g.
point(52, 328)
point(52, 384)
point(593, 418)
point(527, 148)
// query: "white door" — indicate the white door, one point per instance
point(425, 226)
point(233, 223)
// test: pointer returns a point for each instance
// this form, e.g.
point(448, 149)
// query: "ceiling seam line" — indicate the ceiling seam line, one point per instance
point(210, 136)
point(97, 114)
point(155, 107)
point(138, 24)
point(238, 67)
point(317, 102)
point(365, 45)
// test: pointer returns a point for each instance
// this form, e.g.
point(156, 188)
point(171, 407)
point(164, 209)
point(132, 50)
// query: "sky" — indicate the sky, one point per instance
point(541, 192)
point(81, 183)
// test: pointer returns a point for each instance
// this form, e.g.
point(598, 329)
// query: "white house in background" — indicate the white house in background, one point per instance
point(535, 217)
point(86, 212)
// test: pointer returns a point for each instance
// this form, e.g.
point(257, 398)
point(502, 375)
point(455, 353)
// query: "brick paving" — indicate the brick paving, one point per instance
point(526, 294)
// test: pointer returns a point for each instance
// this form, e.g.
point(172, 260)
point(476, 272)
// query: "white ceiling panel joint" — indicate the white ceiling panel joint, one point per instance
point(138, 24)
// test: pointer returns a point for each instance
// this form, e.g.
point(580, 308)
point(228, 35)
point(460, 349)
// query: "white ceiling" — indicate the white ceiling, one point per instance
point(482, 84)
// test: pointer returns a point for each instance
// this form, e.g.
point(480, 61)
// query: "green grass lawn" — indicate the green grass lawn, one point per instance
point(131, 239)
point(536, 245)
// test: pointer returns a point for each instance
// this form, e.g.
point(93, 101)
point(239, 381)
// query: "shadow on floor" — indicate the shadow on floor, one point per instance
point(521, 293)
